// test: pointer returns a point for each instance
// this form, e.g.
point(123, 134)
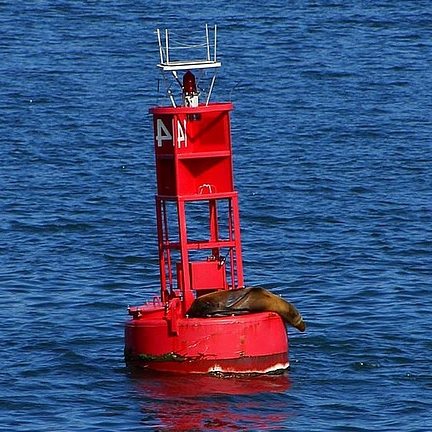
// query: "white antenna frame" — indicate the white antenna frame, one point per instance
point(167, 65)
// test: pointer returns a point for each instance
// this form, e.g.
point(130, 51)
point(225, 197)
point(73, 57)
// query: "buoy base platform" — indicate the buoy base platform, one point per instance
point(158, 340)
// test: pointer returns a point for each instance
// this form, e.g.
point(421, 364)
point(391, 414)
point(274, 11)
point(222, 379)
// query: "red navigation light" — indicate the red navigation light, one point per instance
point(189, 84)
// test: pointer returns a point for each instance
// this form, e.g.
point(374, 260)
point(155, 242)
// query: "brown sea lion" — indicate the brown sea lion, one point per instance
point(245, 300)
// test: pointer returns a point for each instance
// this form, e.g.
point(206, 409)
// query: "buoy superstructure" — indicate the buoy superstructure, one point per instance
point(199, 239)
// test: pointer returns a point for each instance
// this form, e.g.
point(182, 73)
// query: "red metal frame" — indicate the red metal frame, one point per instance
point(194, 164)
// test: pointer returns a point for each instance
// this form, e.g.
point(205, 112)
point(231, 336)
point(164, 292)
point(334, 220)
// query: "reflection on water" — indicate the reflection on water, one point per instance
point(198, 402)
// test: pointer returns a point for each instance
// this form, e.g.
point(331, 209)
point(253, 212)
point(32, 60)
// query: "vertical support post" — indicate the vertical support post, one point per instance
point(167, 250)
point(162, 262)
point(232, 249)
point(239, 260)
point(184, 255)
point(166, 46)
point(214, 229)
point(215, 42)
point(207, 42)
point(160, 46)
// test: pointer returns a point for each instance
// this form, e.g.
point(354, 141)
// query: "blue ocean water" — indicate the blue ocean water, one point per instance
point(332, 140)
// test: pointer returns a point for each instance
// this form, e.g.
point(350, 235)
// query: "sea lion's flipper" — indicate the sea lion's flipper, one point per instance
point(298, 323)
point(290, 314)
point(263, 300)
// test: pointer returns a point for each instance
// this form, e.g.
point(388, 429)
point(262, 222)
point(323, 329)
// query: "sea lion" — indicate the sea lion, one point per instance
point(245, 300)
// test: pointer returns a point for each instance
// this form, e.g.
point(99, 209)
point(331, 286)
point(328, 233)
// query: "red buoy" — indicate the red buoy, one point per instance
point(199, 247)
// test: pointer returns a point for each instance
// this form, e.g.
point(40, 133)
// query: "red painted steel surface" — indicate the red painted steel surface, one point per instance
point(250, 343)
point(193, 150)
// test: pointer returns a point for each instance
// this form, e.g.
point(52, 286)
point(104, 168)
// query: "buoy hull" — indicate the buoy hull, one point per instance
point(242, 344)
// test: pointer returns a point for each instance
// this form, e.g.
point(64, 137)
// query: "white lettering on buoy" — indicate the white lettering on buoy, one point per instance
point(163, 133)
point(181, 134)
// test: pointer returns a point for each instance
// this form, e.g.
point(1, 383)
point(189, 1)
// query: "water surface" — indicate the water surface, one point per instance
point(332, 141)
